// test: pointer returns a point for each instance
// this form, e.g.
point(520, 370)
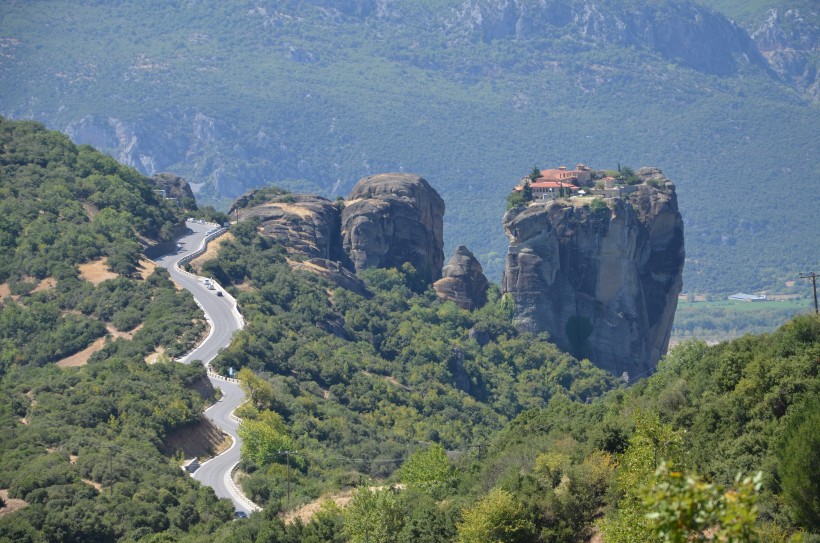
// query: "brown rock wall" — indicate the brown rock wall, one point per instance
point(603, 283)
point(393, 218)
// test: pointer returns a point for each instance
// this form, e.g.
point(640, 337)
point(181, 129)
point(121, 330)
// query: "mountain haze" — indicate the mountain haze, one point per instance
point(468, 93)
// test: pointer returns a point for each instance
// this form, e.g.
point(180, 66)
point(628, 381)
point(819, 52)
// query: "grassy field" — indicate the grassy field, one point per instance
point(720, 320)
point(744, 307)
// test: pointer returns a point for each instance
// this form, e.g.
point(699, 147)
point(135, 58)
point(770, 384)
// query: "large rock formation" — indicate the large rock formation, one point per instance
point(393, 218)
point(602, 277)
point(463, 280)
point(307, 225)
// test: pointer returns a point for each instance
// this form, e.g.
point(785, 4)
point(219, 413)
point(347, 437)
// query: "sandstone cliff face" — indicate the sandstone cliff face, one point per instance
point(393, 218)
point(305, 224)
point(463, 281)
point(604, 282)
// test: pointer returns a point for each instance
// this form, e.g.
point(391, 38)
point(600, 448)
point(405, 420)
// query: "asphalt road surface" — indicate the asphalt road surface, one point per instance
point(216, 472)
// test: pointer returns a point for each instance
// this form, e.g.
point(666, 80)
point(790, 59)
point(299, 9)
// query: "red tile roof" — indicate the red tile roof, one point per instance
point(550, 185)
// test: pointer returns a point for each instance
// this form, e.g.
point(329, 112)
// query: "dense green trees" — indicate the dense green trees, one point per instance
point(63, 204)
point(685, 508)
point(400, 365)
point(429, 470)
point(374, 515)
point(496, 518)
point(100, 425)
point(81, 445)
point(799, 456)
point(265, 438)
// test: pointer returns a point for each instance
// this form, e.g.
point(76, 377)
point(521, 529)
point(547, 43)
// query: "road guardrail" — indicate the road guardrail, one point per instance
point(213, 234)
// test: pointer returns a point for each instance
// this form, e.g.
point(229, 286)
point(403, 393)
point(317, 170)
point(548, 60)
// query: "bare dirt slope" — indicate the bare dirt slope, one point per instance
point(210, 252)
point(12, 504)
point(202, 440)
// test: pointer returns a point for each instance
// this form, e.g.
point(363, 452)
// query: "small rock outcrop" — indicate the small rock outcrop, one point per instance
point(175, 187)
point(306, 224)
point(463, 281)
point(602, 277)
point(334, 273)
point(393, 218)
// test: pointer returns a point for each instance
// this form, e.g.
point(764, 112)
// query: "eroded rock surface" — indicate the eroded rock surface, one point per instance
point(603, 280)
point(306, 224)
point(334, 273)
point(393, 218)
point(463, 280)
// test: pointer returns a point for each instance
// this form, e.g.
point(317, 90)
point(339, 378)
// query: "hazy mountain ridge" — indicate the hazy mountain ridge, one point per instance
point(681, 32)
point(790, 41)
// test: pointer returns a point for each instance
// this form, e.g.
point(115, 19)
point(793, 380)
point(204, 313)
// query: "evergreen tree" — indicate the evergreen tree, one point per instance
point(526, 192)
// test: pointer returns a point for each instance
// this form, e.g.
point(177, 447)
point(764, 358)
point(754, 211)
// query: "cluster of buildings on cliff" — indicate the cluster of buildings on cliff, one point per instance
point(562, 182)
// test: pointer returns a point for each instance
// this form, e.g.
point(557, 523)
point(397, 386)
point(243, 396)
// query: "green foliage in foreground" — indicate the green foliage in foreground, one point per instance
point(687, 509)
point(496, 518)
point(429, 470)
point(799, 455)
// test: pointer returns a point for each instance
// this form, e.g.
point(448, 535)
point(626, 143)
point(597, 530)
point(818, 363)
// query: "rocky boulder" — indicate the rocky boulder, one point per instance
point(393, 218)
point(463, 281)
point(334, 273)
point(175, 187)
point(307, 225)
point(601, 276)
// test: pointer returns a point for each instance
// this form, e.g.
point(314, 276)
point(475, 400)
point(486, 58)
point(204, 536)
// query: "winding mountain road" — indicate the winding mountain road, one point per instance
point(224, 320)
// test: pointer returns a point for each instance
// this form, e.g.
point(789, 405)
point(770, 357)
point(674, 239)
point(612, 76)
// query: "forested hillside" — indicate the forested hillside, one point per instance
point(358, 382)
point(80, 443)
point(494, 435)
point(468, 93)
point(73, 225)
point(721, 442)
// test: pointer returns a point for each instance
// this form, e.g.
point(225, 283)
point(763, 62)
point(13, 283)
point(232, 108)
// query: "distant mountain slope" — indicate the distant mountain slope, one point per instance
point(787, 33)
point(468, 93)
